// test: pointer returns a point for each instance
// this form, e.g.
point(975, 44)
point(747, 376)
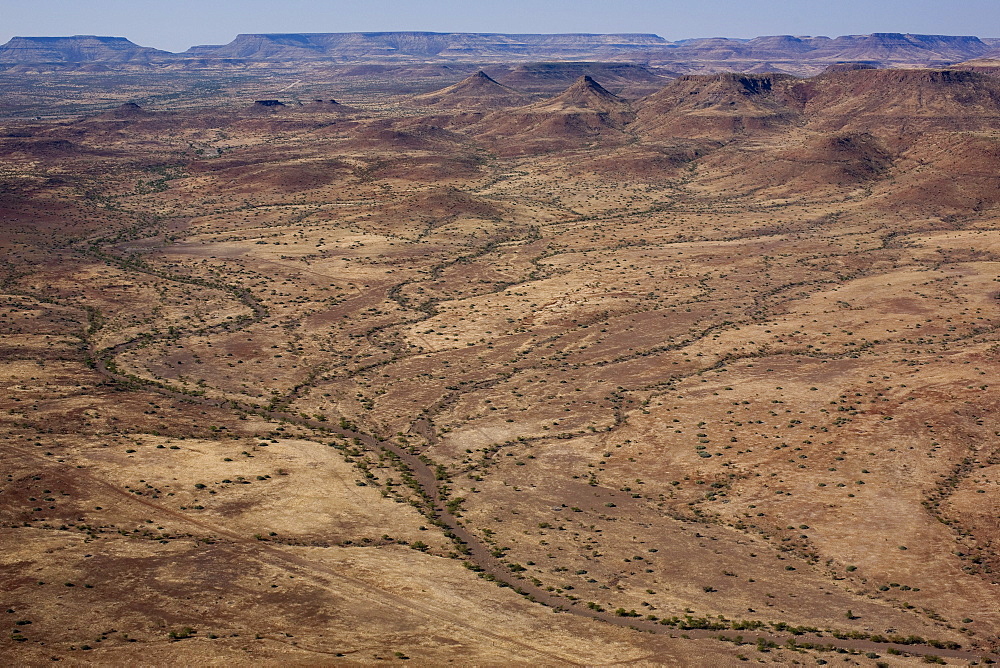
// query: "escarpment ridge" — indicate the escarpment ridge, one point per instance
point(796, 54)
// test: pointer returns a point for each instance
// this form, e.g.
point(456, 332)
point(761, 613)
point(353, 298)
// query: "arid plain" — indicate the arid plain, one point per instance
point(486, 376)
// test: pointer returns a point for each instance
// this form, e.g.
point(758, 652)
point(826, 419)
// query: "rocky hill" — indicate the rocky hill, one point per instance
point(718, 105)
point(910, 100)
point(585, 93)
point(475, 92)
point(625, 79)
point(856, 99)
point(584, 114)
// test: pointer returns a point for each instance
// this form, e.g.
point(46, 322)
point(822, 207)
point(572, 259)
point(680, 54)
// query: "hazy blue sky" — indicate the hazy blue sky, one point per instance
point(175, 25)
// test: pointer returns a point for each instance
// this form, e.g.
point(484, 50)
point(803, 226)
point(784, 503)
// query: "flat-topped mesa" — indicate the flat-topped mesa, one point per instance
point(421, 45)
point(479, 92)
point(77, 49)
point(802, 55)
point(261, 47)
point(901, 48)
point(915, 100)
point(267, 107)
point(885, 48)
